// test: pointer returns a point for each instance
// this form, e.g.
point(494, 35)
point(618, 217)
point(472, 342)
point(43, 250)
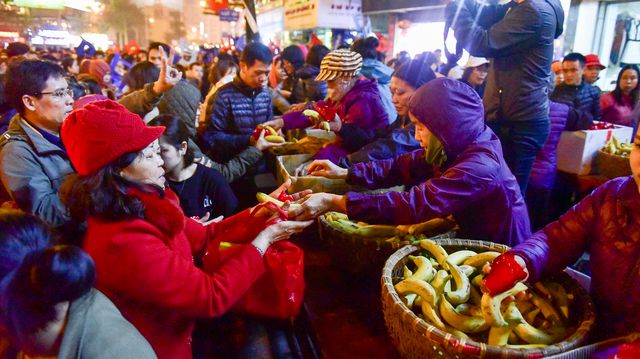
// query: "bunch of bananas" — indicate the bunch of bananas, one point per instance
point(308, 144)
point(315, 116)
point(271, 134)
point(615, 147)
point(404, 234)
point(445, 291)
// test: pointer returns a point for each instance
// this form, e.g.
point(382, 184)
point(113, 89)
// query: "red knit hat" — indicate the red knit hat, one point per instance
point(98, 69)
point(101, 132)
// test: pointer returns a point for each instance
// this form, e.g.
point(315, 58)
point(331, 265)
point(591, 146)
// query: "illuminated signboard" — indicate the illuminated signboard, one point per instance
point(41, 4)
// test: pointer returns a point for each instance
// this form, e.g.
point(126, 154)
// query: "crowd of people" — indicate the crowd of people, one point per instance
point(118, 170)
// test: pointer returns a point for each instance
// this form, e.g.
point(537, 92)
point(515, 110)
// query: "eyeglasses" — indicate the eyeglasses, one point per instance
point(57, 93)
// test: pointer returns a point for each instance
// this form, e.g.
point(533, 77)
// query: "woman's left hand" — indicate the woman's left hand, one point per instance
point(317, 204)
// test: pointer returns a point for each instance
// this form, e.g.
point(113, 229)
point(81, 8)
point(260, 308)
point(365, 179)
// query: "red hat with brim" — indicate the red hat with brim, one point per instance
point(594, 60)
point(103, 131)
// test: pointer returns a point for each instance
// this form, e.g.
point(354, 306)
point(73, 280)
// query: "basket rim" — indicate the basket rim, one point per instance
point(601, 152)
point(469, 345)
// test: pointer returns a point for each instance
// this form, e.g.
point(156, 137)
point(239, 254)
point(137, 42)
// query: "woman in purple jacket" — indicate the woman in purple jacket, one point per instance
point(459, 171)
point(607, 225)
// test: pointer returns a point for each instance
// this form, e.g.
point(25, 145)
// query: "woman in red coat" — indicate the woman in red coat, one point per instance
point(142, 244)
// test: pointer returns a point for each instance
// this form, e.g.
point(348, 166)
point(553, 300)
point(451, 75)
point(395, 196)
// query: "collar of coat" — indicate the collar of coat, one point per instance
point(20, 130)
point(244, 88)
point(161, 210)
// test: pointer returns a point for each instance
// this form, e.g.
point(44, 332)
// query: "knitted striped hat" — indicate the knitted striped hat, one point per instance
point(340, 63)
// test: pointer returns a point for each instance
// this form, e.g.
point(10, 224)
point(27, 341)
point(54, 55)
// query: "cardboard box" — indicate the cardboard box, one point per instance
point(577, 149)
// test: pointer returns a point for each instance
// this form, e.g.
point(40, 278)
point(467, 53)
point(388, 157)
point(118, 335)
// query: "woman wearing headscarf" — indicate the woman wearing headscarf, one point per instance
point(460, 171)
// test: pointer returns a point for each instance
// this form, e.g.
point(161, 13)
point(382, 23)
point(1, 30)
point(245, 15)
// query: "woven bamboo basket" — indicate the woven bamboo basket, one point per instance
point(415, 338)
point(612, 166)
point(365, 256)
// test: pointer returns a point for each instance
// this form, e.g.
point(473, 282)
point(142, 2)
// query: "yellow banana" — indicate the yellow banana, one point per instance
point(491, 305)
point(533, 335)
point(475, 296)
point(469, 309)
point(547, 309)
point(337, 215)
point(467, 270)
point(500, 335)
point(311, 113)
point(531, 315)
point(463, 286)
point(345, 226)
point(410, 298)
point(465, 323)
point(263, 197)
point(424, 269)
point(480, 259)
point(325, 126)
point(430, 313)
point(436, 250)
point(271, 130)
point(274, 138)
point(439, 281)
point(459, 257)
point(560, 298)
point(419, 287)
point(477, 280)
point(430, 226)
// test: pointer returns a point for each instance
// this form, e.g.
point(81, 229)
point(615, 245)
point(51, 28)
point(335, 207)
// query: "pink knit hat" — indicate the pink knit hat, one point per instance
point(102, 131)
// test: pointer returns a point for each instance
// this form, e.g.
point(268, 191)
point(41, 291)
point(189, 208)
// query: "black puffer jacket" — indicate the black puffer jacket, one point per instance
point(520, 45)
point(237, 111)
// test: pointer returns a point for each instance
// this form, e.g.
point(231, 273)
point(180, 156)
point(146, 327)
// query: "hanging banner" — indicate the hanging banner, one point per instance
point(228, 15)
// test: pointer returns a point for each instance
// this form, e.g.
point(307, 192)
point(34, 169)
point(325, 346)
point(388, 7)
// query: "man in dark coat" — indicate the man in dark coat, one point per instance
point(518, 38)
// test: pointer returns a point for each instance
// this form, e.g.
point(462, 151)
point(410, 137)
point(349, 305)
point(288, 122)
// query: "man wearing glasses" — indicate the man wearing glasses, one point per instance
point(33, 160)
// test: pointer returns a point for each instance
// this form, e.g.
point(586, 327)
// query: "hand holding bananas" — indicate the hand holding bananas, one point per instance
point(444, 289)
point(334, 124)
point(505, 272)
point(328, 169)
point(270, 134)
point(316, 204)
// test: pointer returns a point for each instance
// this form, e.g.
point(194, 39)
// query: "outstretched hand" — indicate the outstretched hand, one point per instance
point(328, 169)
point(169, 76)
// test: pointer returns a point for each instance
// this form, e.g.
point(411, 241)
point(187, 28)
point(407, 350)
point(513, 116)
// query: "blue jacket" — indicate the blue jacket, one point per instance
point(584, 103)
point(474, 185)
point(237, 111)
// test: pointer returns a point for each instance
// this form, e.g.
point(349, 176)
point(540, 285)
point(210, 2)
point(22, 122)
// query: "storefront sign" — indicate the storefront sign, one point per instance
point(229, 15)
point(300, 14)
point(41, 4)
point(334, 14)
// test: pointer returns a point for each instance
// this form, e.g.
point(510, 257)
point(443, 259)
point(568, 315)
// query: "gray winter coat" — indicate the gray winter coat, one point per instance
point(97, 330)
point(32, 170)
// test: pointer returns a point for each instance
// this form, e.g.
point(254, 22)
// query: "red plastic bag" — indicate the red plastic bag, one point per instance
point(278, 293)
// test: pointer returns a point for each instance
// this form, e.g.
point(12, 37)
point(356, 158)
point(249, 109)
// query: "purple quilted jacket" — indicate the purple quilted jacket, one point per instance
point(607, 225)
point(543, 172)
point(474, 185)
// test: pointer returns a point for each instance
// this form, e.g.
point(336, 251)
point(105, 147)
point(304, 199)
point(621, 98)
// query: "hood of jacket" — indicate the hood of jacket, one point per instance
point(557, 8)
point(361, 88)
point(376, 70)
point(452, 111)
point(307, 71)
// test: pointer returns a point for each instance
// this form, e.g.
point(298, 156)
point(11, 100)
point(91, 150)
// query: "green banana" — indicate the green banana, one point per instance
point(531, 315)
point(376, 230)
point(477, 280)
point(480, 259)
point(533, 335)
point(439, 281)
point(337, 215)
point(465, 323)
point(345, 226)
point(491, 305)
point(459, 257)
point(547, 309)
point(500, 335)
point(436, 250)
point(419, 287)
point(425, 270)
point(430, 313)
point(467, 270)
point(463, 287)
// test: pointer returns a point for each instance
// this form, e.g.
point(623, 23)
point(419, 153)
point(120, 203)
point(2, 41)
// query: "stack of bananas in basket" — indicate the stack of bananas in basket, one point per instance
point(444, 289)
point(404, 234)
point(615, 147)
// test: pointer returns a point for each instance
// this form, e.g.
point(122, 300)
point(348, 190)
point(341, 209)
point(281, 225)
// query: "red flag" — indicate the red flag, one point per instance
point(217, 5)
point(314, 40)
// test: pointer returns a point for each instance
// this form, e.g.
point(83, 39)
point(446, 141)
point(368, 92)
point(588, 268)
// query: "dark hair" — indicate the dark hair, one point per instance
point(141, 74)
point(157, 45)
point(104, 194)
point(466, 73)
point(28, 77)
point(316, 54)
point(256, 51)
point(191, 66)
point(574, 56)
point(67, 62)
point(294, 55)
point(617, 93)
point(225, 62)
point(175, 133)
point(17, 49)
point(90, 83)
point(79, 89)
point(98, 53)
point(35, 276)
point(366, 47)
point(415, 73)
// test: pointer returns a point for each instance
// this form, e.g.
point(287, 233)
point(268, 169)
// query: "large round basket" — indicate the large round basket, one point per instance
point(415, 338)
point(360, 256)
point(612, 166)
